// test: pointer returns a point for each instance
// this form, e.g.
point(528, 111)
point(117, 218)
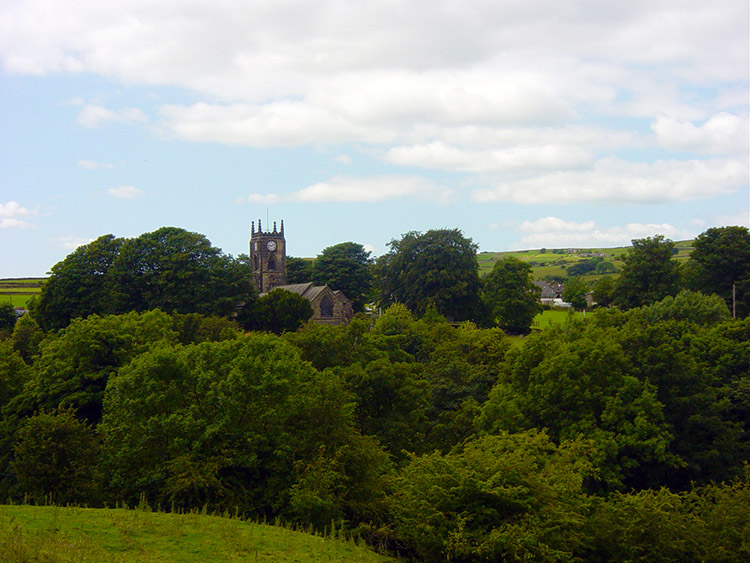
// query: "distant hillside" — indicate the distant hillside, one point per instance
point(18, 291)
point(556, 261)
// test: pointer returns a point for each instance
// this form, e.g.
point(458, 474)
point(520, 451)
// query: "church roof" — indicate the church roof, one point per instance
point(306, 290)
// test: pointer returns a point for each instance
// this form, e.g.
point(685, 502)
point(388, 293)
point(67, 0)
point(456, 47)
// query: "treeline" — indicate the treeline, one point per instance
point(178, 271)
point(614, 439)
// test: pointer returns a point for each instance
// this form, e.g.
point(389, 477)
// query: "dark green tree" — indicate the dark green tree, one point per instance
point(26, 337)
point(574, 292)
point(74, 366)
point(278, 311)
point(438, 267)
point(7, 319)
point(575, 379)
point(175, 270)
point(511, 297)
point(299, 270)
point(80, 285)
point(603, 291)
point(506, 497)
point(346, 267)
point(56, 458)
point(14, 372)
point(243, 423)
point(720, 263)
point(649, 273)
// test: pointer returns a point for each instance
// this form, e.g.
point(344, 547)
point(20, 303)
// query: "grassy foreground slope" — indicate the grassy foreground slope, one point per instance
point(55, 535)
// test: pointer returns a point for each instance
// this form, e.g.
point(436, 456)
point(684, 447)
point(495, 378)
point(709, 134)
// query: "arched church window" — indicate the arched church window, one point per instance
point(271, 262)
point(326, 307)
point(255, 262)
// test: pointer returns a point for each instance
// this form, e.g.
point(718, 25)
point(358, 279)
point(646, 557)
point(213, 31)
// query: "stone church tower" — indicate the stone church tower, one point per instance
point(268, 257)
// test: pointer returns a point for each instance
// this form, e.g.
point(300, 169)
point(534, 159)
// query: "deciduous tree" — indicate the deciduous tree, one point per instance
point(438, 267)
point(346, 267)
point(278, 311)
point(574, 292)
point(720, 263)
point(80, 285)
point(649, 273)
point(511, 296)
point(177, 271)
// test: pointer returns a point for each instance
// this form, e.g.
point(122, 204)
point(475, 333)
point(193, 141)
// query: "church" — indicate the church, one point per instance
point(268, 259)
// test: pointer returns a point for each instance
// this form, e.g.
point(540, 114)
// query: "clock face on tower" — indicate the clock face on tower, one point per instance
point(271, 245)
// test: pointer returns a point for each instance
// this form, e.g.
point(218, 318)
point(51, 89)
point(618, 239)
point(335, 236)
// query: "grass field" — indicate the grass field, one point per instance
point(17, 292)
point(556, 316)
point(551, 262)
point(56, 535)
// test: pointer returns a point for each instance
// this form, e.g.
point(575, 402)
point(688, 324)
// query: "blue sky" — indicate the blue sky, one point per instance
point(524, 124)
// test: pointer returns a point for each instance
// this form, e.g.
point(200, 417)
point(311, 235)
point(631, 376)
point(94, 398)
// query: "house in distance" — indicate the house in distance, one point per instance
point(268, 258)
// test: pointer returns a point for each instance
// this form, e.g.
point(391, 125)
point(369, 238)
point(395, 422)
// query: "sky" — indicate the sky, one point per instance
point(525, 124)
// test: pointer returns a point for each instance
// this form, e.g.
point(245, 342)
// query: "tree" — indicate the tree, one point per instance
point(79, 285)
point(55, 459)
point(14, 372)
point(242, 423)
point(170, 268)
point(438, 267)
point(507, 497)
point(298, 270)
point(649, 273)
point(576, 379)
point(74, 366)
point(721, 260)
point(574, 292)
point(175, 270)
point(511, 296)
point(346, 267)
point(603, 291)
point(7, 319)
point(278, 311)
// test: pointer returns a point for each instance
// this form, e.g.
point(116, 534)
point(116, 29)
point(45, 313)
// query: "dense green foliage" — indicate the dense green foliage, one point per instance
point(574, 292)
point(278, 311)
point(649, 274)
point(299, 270)
point(437, 268)
point(444, 442)
point(720, 264)
point(346, 267)
point(617, 437)
point(170, 268)
point(511, 297)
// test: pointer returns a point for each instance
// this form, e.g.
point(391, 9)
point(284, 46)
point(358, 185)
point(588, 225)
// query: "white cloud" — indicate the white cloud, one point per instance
point(125, 192)
point(554, 232)
point(93, 116)
point(370, 190)
point(93, 165)
point(344, 189)
point(13, 215)
point(269, 199)
point(438, 155)
point(71, 242)
point(722, 133)
point(537, 99)
point(613, 180)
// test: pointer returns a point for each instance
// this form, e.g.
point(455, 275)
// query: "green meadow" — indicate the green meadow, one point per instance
point(60, 535)
point(554, 261)
point(17, 292)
